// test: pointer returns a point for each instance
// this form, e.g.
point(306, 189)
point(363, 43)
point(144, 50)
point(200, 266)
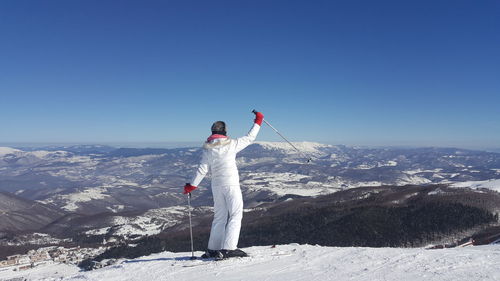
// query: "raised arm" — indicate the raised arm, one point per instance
point(245, 141)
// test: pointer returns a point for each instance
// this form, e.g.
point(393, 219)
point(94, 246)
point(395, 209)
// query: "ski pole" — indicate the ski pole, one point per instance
point(283, 137)
point(190, 226)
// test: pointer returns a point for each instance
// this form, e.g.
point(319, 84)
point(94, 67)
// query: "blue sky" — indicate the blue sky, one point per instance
point(419, 73)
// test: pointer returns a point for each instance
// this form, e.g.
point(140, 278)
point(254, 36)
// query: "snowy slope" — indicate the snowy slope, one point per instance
point(304, 147)
point(8, 150)
point(489, 184)
point(296, 262)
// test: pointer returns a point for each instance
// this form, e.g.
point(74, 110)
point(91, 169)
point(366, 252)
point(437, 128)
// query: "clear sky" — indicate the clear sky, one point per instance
point(343, 72)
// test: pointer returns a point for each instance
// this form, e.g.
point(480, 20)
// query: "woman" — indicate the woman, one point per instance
point(219, 157)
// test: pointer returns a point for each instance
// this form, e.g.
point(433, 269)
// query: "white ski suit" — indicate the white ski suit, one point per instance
point(219, 157)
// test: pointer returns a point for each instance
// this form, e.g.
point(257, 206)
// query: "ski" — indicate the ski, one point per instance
point(203, 261)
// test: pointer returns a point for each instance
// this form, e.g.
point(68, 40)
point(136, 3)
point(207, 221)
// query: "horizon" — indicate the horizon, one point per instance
point(384, 73)
point(180, 145)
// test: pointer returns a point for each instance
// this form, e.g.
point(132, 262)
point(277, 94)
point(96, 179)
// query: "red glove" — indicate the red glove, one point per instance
point(258, 118)
point(188, 188)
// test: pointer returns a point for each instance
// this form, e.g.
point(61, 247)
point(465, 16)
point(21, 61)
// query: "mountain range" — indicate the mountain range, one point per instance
point(130, 192)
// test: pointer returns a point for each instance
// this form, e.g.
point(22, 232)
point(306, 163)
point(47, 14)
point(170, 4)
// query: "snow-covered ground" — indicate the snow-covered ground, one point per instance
point(33, 239)
point(8, 150)
point(72, 199)
point(303, 147)
point(150, 223)
point(295, 262)
point(296, 184)
point(488, 184)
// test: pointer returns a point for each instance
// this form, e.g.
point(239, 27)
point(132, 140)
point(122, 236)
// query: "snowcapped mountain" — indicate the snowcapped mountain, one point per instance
point(316, 149)
point(100, 184)
point(280, 170)
point(127, 194)
point(293, 262)
point(7, 150)
point(129, 179)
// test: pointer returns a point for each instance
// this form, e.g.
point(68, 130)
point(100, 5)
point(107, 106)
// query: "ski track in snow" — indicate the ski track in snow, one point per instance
point(296, 263)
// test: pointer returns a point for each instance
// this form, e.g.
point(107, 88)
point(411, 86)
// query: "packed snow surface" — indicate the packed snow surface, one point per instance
point(293, 263)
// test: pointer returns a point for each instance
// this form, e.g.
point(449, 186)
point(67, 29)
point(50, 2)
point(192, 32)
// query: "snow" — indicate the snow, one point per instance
point(412, 179)
point(295, 263)
point(138, 226)
point(38, 153)
point(488, 184)
point(304, 147)
point(41, 153)
point(116, 208)
point(285, 183)
point(48, 272)
point(150, 223)
point(8, 150)
point(33, 239)
point(364, 167)
point(98, 231)
point(436, 192)
point(71, 200)
point(418, 171)
point(391, 163)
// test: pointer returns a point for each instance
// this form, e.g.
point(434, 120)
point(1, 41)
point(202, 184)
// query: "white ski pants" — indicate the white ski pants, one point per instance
point(228, 212)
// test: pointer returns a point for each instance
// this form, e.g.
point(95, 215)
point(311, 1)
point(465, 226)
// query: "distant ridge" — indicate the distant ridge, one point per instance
point(19, 214)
